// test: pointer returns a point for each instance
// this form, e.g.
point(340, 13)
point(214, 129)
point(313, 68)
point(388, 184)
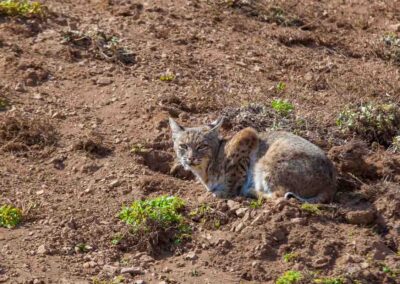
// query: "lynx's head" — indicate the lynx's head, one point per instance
point(196, 146)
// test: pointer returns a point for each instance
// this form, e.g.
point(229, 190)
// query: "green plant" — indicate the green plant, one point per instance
point(167, 77)
point(10, 216)
point(290, 257)
point(21, 8)
point(163, 209)
point(3, 104)
point(138, 149)
point(282, 107)
point(255, 204)
point(311, 208)
point(374, 122)
point(82, 248)
point(117, 238)
point(289, 277)
point(329, 280)
point(280, 87)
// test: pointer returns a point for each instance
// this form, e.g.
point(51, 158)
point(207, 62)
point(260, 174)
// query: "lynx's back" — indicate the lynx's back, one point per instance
point(288, 165)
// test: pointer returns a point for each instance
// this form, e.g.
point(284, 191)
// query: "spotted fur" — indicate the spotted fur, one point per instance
point(275, 163)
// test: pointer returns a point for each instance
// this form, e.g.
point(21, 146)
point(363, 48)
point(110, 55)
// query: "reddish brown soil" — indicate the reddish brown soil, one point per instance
point(71, 184)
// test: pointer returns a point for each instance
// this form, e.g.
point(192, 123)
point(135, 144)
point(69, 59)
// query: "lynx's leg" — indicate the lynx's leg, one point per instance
point(239, 153)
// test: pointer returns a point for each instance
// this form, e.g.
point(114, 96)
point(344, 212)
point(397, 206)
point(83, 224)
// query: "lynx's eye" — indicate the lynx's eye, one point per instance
point(202, 147)
point(182, 147)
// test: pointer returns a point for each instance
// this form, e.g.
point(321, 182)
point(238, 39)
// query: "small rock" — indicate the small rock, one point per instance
point(42, 250)
point(163, 282)
point(364, 265)
point(298, 221)
point(395, 27)
point(191, 256)
point(110, 269)
point(37, 96)
point(257, 68)
point(139, 281)
point(241, 211)
point(233, 205)
point(146, 258)
point(114, 183)
point(20, 87)
point(239, 227)
point(360, 217)
point(104, 81)
point(132, 270)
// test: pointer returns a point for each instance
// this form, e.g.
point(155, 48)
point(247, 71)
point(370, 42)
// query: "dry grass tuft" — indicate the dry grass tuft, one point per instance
point(21, 133)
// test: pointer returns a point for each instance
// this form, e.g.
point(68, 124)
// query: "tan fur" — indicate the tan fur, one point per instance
point(270, 164)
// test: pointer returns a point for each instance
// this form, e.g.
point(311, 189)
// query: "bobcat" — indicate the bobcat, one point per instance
point(271, 164)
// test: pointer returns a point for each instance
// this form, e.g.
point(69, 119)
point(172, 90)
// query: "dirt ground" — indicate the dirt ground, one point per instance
point(77, 106)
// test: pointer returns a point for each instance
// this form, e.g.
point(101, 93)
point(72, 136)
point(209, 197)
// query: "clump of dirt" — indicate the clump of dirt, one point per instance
point(33, 74)
point(355, 160)
point(265, 11)
point(99, 45)
point(22, 133)
point(94, 145)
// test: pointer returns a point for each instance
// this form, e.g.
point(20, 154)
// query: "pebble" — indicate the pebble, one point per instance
point(132, 270)
point(114, 183)
point(139, 281)
point(104, 81)
point(42, 250)
point(233, 205)
point(110, 269)
point(20, 87)
point(241, 211)
point(191, 256)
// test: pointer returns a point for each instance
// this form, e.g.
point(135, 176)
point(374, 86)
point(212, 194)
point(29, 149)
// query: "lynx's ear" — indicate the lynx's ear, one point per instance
point(216, 124)
point(175, 127)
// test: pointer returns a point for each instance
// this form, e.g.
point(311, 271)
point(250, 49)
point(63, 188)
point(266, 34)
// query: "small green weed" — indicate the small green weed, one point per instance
point(21, 8)
point(167, 77)
point(163, 210)
point(289, 277)
point(3, 104)
point(329, 280)
point(207, 216)
point(82, 248)
point(390, 272)
point(117, 238)
point(290, 257)
point(375, 123)
point(195, 273)
point(282, 107)
point(256, 204)
point(280, 87)
point(311, 208)
point(10, 216)
point(139, 149)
